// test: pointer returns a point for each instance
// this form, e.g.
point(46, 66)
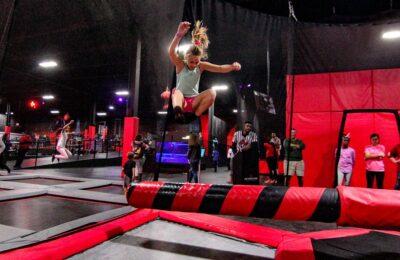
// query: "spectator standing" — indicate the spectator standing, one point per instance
point(394, 156)
point(375, 168)
point(294, 158)
point(25, 142)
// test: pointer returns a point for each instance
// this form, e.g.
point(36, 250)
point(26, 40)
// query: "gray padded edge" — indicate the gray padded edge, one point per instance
point(88, 195)
point(48, 233)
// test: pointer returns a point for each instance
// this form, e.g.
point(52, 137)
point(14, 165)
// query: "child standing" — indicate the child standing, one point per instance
point(129, 167)
point(188, 103)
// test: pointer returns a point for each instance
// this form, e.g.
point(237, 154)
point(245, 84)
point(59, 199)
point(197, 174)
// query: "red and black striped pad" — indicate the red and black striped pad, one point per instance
point(317, 204)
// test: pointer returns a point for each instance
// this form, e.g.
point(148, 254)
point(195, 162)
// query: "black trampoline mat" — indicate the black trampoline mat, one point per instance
point(113, 189)
point(3, 189)
point(294, 226)
point(43, 181)
point(42, 212)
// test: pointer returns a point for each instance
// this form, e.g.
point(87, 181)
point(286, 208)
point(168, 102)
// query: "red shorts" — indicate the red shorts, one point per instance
point(188, 105)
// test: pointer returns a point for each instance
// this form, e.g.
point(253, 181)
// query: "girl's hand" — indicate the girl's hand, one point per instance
point(183, 28)
point(236, 66)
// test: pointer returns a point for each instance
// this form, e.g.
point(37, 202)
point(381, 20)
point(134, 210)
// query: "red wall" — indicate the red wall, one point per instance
point(319, 102)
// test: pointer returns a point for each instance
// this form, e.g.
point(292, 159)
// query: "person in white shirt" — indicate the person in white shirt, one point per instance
point(230, 155)
point(3, 159)
point(61, 143)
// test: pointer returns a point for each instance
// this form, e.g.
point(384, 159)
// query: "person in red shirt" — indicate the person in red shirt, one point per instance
point(394, 156)
point(25, 142)
point(271, 155)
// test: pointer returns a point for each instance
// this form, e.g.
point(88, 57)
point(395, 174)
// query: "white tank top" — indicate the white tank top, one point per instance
point(62, 141)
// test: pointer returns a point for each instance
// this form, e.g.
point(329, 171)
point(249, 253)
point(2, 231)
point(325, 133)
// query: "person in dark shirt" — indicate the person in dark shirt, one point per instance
point(129, 167)
point(194, 155)
point(215, 155)
point(294, 158)
point(25, 142)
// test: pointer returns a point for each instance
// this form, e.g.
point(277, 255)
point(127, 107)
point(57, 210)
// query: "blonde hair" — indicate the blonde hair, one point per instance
point(200, 41)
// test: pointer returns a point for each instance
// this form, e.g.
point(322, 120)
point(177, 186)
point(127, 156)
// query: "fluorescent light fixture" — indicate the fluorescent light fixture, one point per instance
point(122, 93)
point(48, 64)
point(219, 87)
point(101, 113)
point(111, 107)
point(391, 35)
point(185, 137)
point(54, 112)
point(183, 48)
point(162, 112)
point(234, 110)
point(48, 97)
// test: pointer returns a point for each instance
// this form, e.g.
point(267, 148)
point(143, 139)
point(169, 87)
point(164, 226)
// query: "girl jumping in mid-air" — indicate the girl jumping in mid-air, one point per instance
point(62, 141)
point(186, 98)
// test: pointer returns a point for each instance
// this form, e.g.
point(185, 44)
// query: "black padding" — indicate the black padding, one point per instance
point(328, 208)
point(166, 195)
point(268, 202)
point(374, 245)
point(214, 198)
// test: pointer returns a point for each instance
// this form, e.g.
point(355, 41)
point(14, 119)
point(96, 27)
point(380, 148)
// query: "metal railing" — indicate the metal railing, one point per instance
point(80, 149)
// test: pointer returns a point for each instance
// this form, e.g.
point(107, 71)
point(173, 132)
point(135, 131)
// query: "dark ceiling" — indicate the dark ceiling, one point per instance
point(92, 41)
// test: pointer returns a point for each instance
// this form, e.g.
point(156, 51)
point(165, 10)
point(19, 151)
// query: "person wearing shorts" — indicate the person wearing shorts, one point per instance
point(294, 158)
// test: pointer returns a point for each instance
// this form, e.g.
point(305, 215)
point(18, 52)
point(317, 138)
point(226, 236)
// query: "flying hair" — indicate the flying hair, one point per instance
point(199, 40)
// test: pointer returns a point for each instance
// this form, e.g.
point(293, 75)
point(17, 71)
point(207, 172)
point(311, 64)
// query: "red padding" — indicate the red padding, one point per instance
point(143, 195)
point(240, 200)
point(67, 246)
point(299, 203)
point(250, 232)
point(369, 207)
point(295, 249)
point(189, 197)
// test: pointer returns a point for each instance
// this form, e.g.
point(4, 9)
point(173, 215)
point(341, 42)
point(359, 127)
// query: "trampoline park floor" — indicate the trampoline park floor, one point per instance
point(42, 204)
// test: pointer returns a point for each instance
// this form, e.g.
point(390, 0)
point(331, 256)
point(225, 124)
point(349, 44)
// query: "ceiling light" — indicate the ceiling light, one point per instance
point(122, 93)
point(48, 64)
point(48, 97)
point(186, 137)
point(54, 112)
point(220, 87)
point(111, 107)
point(162, 112)
point(11, 113)
point(101, 113)
point(391, 35)
point(235, 110)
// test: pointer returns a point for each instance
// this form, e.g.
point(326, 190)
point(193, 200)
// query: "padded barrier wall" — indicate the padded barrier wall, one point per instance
point(319, 102)
point(345, 205)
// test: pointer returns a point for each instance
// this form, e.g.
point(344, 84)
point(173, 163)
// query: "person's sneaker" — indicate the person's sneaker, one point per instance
point(179, 117)
point(8, 170)
point(53, 157)
point(189, 117)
